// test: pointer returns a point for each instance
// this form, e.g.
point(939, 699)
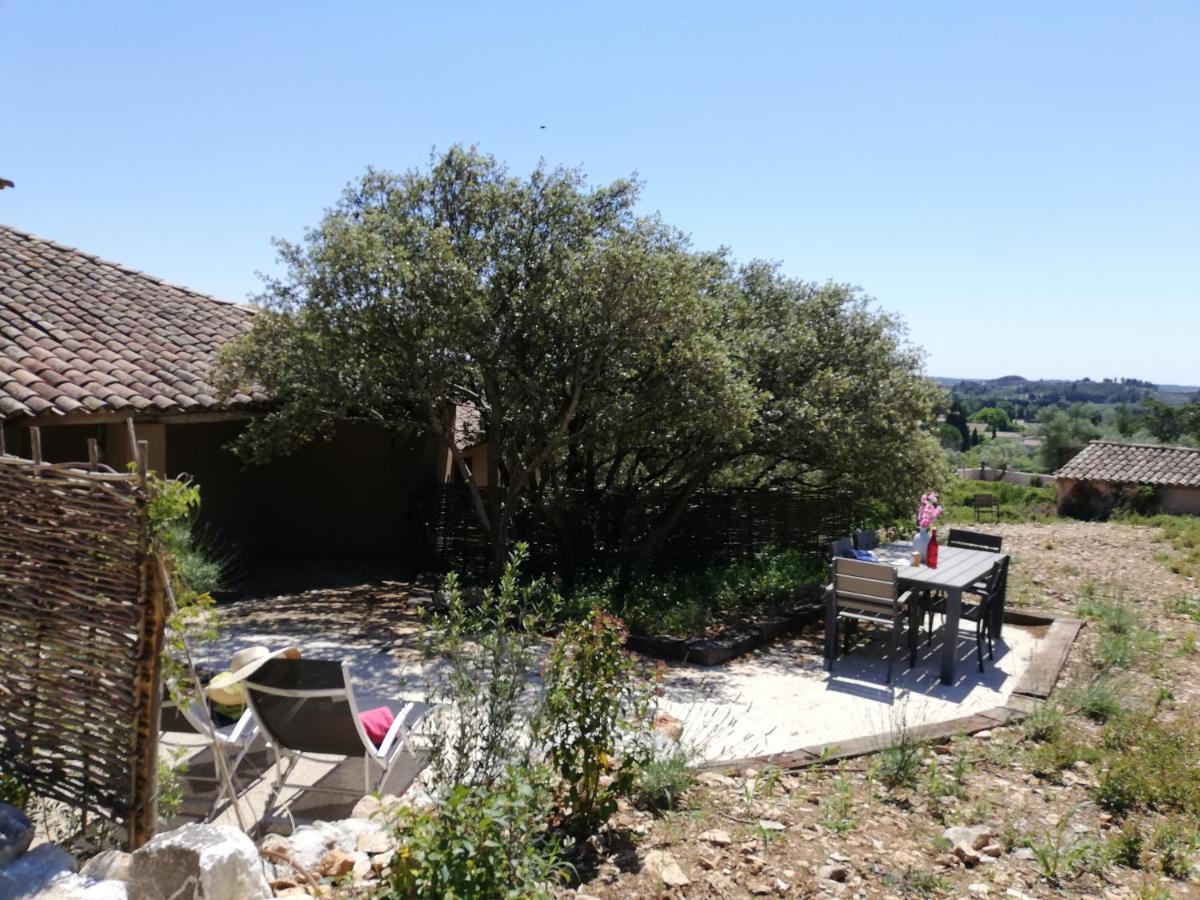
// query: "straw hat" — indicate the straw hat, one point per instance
point(226, 688)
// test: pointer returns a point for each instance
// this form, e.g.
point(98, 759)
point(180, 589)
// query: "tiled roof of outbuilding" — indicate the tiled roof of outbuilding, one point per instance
point(81, 334)
point(1135, 464)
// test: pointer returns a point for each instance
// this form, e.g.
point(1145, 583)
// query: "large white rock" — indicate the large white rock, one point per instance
point(198, 862)
point(16, 833)
point(34, 872)
point(79, 887)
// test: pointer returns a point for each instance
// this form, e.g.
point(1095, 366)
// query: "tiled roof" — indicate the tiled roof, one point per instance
point(81, 334)
point(1135, 464)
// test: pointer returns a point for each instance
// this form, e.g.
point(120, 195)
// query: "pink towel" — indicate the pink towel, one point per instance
point(376, 722)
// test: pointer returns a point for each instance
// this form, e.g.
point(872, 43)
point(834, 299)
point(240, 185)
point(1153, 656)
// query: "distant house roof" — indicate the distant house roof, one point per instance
point(79, 334)
point(1135, 464)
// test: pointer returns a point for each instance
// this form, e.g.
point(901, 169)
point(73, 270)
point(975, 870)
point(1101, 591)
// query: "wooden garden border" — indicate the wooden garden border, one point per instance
point(81, 633)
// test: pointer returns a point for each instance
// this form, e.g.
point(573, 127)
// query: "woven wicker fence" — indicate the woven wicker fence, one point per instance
point(81, 629)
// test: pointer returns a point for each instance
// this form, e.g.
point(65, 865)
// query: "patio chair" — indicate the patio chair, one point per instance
point(985, 613)
point(234, 739)
point(868, 592)
point(986, 503)
point(866, 539)
point(841, 546)
point(307, 706)
point(974, 540)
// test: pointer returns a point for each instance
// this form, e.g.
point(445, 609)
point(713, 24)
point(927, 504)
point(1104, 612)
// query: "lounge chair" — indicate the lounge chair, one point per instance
point(234, 739)
point(307, 706)
point(868, 592)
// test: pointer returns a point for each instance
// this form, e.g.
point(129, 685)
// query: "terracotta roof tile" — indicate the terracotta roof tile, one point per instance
point(79, 332)
point(1135, 464)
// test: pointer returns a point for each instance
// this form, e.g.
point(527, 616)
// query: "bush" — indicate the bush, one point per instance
point(685, 603)
point(663, 780)
point(1174, 841)
point(480, 841)
point(595, 722)
point(1044, 723)
point(1124, 848)
point(479, 727)
point(1104, 697)
point(13, 792)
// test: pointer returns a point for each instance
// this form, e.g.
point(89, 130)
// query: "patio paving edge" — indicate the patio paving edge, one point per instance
point(1033, 687)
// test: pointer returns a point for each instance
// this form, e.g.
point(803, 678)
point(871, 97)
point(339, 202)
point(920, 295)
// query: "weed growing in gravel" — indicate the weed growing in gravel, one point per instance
point(1124, 848)
point(1175, 840)
point(1058, 852)
point(1104, 697)
point(664, 779)
point(1044, 723)
point(1184, 606)
point(919, 883)
point(837, 806)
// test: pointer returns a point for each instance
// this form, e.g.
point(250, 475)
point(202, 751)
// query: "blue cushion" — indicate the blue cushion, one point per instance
point(864, 555)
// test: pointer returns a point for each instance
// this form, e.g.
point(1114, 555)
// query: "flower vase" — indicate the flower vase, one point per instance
point(921, 542)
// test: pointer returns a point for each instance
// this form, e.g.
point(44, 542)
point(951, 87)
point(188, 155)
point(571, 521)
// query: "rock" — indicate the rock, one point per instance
point(714, 779)
point(68, 886)
point(374, 842)
point(781, 886)
point(275, 843)
point(996, 850)
point(16, 833)
point(276, 825)
point(707, 862)
point(668, 726)
point(840, 874)
point(978, 889)
point(108, 865)
point(759, 888)
point(336, 863)
point(666, 867)
point(218, 862)
point(976, 837)
point(717, 836)
point(1024, 853)
point(35, 870)
point(308, 845)
point(967, 854)
point(771, 825)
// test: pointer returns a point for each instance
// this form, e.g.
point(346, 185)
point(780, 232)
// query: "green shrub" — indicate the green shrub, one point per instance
point(13, 792)
point(837, 806)
point(663, 779)
point(479, 841)
point(1104, 697)
point(1154, 768)
point(1044, 723)
point(1174, 841)
point(595, 720)
point(479, 724)
point(1124, 847)
point(1059, 852)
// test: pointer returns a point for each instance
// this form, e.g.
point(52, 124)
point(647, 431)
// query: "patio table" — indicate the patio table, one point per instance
point(958, 568)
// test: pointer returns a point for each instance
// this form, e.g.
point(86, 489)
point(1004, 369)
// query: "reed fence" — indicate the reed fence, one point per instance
point(716, 526)
point(81, 630)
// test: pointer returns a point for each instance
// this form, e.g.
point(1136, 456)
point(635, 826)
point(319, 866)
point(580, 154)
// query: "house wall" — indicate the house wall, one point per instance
point(355, 497)
point(1180, 500)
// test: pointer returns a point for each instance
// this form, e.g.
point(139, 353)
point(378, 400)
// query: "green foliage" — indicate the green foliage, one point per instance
point(837, 806)
point(685, 603)
point(1122, 639)
point(1017, 503)
point(1045, 723)
point(1183, 532)
point(899, 764)
point(13, 791)
point(1104, 697)
point(664, 778)
point(995, 418)
point(1153, 768)
point(1064, 434)
point(172, 769)
point(479, 724)
point(595, 720)
point(479, 841)
point(1174, 841)
point(604, 357)
point(1124, 847)
point(1059, 852)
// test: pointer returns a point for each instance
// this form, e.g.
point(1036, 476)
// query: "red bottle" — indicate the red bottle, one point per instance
point(931, 551)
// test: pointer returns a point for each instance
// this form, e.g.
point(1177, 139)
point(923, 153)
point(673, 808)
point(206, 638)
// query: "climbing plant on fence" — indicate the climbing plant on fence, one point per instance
point(81, 632)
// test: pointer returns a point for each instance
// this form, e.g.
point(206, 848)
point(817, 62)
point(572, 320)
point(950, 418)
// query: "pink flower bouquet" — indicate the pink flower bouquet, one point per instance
point(929, 510)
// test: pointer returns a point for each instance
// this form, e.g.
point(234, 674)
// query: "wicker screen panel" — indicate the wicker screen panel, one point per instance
point(80, 636)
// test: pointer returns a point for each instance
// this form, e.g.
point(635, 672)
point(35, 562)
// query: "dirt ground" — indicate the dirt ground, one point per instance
point(837, 832)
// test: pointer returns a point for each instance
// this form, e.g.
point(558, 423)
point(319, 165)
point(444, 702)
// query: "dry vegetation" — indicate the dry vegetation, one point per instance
point(1096, 794)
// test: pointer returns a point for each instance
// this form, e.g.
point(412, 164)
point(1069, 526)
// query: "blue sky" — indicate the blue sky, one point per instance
point(1019, 181)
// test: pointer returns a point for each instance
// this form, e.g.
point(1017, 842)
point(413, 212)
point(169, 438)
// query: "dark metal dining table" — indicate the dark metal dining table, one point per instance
point(957, 569)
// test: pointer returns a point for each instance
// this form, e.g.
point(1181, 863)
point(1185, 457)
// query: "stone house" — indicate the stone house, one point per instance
point(86, 344)
point(1144, 477)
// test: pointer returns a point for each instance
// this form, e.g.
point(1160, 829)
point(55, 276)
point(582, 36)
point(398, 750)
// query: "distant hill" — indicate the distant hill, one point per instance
point(1041, 392)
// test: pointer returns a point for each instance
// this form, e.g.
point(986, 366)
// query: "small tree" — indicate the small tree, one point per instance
point(1064, 434)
